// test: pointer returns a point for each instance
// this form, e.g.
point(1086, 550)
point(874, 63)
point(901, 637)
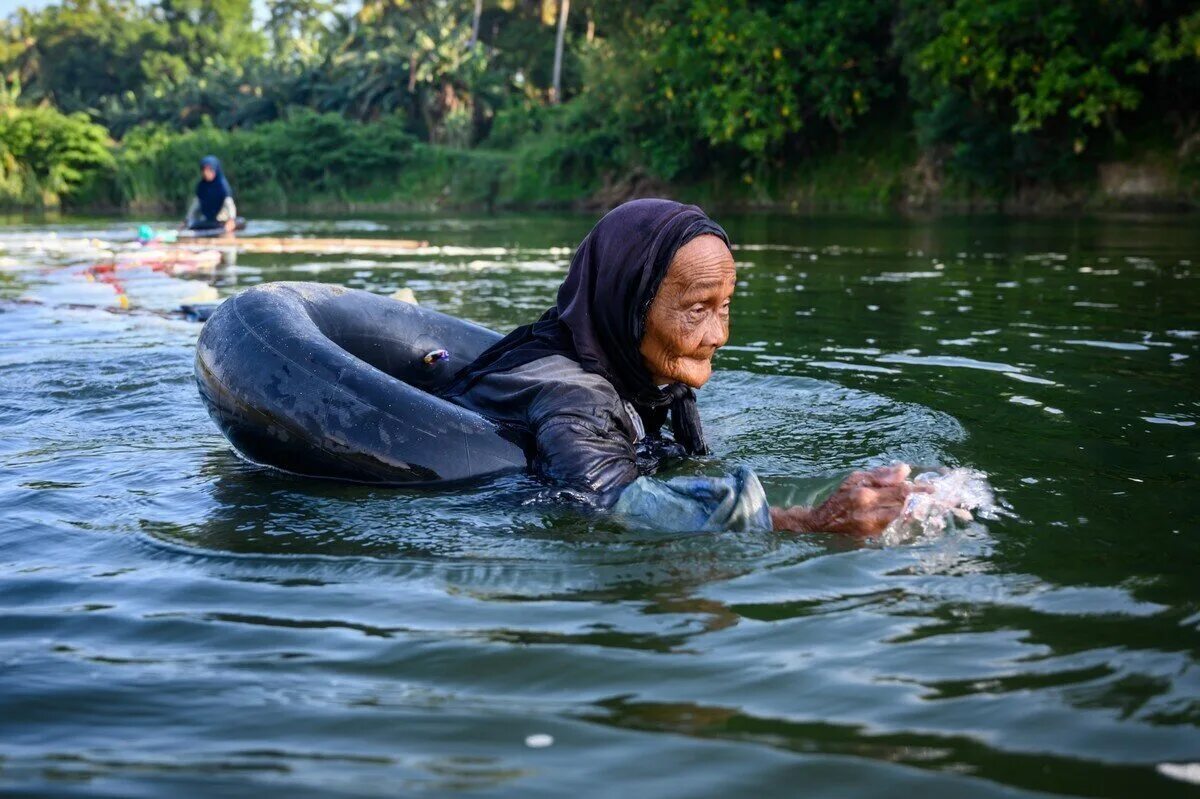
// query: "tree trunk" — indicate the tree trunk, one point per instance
point(475, 22)
point(564, 7)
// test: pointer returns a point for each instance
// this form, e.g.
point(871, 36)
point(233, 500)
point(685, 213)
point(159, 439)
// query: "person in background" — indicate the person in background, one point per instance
point(212, 207)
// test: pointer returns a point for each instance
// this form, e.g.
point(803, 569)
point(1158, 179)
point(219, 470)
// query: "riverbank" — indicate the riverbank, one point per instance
point(861, 177)
point(323, 163)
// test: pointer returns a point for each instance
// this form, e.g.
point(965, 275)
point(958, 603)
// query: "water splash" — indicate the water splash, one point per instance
point(958, 497)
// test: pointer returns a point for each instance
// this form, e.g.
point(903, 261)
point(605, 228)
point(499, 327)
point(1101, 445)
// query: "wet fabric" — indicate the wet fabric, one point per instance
point(583, 436)
point(211, 194)
point(735, 503)
point(600, 313)
point(579, 433)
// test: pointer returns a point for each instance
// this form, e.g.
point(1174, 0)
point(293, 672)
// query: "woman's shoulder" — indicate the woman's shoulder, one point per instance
point(536, 391)
point(558, 373)
point(559, 386)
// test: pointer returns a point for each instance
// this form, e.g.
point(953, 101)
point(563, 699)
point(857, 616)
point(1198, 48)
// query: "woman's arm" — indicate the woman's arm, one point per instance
point(228, 215)
point(735, 503)
point(864, 504)
point(585, 453)
point(193, 213)
point(576, 451)
point(584, 441)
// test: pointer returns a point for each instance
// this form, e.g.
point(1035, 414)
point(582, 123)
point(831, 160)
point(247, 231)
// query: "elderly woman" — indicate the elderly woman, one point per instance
point(212, 206)
point(643, 309)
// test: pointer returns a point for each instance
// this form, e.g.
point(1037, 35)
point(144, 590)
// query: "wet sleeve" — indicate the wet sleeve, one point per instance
point(585, 442)
point(574, 451)
point(193, 212)
point(693, 504)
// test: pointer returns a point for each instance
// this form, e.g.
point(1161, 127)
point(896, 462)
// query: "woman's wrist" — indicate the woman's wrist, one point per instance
point(796, 519)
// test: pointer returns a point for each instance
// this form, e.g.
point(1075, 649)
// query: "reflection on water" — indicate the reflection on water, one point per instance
point(179, 622)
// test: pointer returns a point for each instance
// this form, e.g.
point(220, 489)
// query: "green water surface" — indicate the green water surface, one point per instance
point(175, 622)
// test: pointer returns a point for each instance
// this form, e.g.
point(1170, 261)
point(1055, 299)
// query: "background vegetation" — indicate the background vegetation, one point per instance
point(427, 102)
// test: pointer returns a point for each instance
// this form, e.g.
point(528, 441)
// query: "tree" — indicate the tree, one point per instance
point(564, 7)
point(299, 28)
point(475, 18)
point(206, 32)
point(80, 52)
point(691, 77)
point(415, 57)
point(46, 155)
point(1021, 90)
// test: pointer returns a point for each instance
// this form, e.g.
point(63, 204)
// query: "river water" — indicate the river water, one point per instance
point(175, 622)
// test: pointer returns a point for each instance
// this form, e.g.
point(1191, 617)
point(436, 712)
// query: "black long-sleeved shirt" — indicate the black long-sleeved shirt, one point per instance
point(584, 436)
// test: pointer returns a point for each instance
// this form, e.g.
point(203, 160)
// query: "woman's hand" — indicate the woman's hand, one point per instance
point(230, 226)
point(864, 504)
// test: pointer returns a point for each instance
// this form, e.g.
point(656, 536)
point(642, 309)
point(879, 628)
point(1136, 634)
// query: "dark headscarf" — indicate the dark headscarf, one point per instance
point(212, 193)
point(601, 311)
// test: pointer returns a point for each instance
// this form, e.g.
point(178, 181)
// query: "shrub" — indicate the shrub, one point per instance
point(46, 156)
point(297, 158)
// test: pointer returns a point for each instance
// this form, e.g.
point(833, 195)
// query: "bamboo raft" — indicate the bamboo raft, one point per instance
point(313, 246)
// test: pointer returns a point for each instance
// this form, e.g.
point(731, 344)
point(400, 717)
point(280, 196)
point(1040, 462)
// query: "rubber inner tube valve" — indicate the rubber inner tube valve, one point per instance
point(434, 356)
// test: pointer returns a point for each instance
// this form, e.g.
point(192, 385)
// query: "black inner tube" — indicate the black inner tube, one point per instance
point(325, 381)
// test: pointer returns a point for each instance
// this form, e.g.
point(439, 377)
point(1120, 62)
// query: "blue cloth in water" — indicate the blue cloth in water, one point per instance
point(693, 504)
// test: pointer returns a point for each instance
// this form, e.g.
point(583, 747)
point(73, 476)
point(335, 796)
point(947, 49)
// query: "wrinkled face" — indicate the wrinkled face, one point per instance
point(689, 318)
point(209, 173)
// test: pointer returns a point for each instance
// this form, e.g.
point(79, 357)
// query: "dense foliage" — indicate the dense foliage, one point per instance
point(1029, 88)
point(304, 156)
point(316, 96)
point(46, 155)
point(746, 77)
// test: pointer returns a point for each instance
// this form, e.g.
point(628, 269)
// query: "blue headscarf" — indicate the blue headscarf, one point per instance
point(212, 193)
